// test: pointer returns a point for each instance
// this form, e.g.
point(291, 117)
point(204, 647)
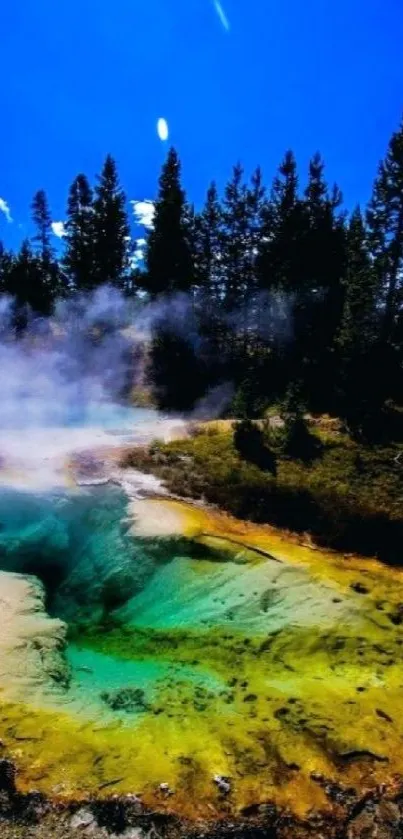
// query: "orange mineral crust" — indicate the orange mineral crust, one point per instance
point(237, 667)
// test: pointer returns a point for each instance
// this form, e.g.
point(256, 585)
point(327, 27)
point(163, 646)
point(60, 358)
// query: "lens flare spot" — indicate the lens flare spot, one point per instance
point(162, 129)
point(221, 14)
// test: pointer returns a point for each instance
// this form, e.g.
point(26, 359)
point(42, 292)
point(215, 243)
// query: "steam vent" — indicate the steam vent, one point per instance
point(207, 666)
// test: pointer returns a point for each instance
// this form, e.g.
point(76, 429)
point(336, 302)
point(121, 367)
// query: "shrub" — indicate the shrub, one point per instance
point(250, 444)
point(299, 442)
point(348, 499)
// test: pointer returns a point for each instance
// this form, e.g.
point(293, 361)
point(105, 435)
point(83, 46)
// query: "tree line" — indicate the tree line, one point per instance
point(276, 290)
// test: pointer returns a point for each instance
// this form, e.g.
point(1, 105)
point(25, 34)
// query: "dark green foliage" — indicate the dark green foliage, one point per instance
point(30, 284)
point(6, 264)
point(208, 242)
point(235, 225)
point(79, 256)
point(169, 258)
point(299, 443)
point(43, 222)
point(175, 371)
point(385, 222)
point(348, 498)
point(111, 229)
point(258, 292)
point(279, 258)
point(44, 269)
point(242, 216)
point(248, 400)
point(250, 444)
point(359, 323)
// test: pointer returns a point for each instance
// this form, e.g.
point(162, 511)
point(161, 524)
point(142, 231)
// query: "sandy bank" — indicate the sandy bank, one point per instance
point(31, 643)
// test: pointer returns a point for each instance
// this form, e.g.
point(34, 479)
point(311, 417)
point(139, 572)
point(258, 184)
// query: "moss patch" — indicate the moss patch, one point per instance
point(350, 498)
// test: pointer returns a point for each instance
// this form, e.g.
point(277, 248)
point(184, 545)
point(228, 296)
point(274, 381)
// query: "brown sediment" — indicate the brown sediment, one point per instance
point(376, 815)
point(311, 722)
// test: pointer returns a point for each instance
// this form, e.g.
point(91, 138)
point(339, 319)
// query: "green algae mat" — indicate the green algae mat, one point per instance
point(159, 644)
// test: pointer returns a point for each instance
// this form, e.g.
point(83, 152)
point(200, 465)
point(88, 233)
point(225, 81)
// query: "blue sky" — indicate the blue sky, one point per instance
point(82, 78)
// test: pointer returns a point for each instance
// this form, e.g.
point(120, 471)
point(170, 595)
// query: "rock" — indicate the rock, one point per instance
point(340, 794)
point(134, 804)
point(318, 777)
point(383, 715)
point(223, 784)
point(281, 712)
point(362, 754)
point(34, 807)
point(130, 700)
point(359, 588)
point(375, 821)
point(388, 812)
point(396, 615)
point(165, 789)
point(82, 819)
point(8, 774)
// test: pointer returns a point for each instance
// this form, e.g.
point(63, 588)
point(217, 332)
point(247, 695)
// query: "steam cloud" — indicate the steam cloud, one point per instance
point(66, 370)
point(62, 368)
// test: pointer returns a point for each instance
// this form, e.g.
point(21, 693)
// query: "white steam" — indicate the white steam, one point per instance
point(63, 384)
point(65, 381)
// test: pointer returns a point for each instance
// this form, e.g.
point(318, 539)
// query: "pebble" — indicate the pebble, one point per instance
point(223, 783)
point(164, 787)
point(83, 818)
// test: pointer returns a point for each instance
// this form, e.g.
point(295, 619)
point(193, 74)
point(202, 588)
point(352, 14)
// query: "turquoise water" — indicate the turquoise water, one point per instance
point(115, 418)
point(78, 544)
point(94, 673)
point(99, 580)
point(188, 659)
point(73, 414)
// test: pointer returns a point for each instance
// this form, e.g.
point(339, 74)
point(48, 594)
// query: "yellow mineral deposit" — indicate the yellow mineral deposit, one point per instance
point(268, 663)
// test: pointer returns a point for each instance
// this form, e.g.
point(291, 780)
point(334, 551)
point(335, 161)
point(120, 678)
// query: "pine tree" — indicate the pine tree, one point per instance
point(43, 221)
point(28, 286)
point(176, 372)
point(360, 387)
point(6, 264)
point(24, 277)
point(78, 260)
point(322, 233)
point(112, 246)
point(385, 222)
point(316, 192)
point(279, 258)
point(285, 187)
point(208, 250)
point(255, 206)
point(319, 304)
point(169, 258)
point(48, 284)
point(207, 243)
point(235, 240)
point(359, 326)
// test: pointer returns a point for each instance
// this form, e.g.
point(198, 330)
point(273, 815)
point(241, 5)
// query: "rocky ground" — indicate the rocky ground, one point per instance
point(377, 815)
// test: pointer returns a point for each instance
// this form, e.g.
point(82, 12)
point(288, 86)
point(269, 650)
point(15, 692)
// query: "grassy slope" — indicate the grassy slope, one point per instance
point(350, 498)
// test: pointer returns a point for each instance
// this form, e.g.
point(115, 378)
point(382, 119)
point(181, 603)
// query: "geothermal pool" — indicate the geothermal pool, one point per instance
point(150, 642)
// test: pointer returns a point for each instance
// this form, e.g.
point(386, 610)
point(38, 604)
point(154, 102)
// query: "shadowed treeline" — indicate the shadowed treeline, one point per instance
point(264, 294)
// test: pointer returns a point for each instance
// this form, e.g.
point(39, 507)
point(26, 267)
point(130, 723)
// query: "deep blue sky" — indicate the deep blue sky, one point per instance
point(84, 77)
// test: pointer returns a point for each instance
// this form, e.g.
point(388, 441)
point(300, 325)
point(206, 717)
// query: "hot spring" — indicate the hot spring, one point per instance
point(132, 662)
point(147, 642)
